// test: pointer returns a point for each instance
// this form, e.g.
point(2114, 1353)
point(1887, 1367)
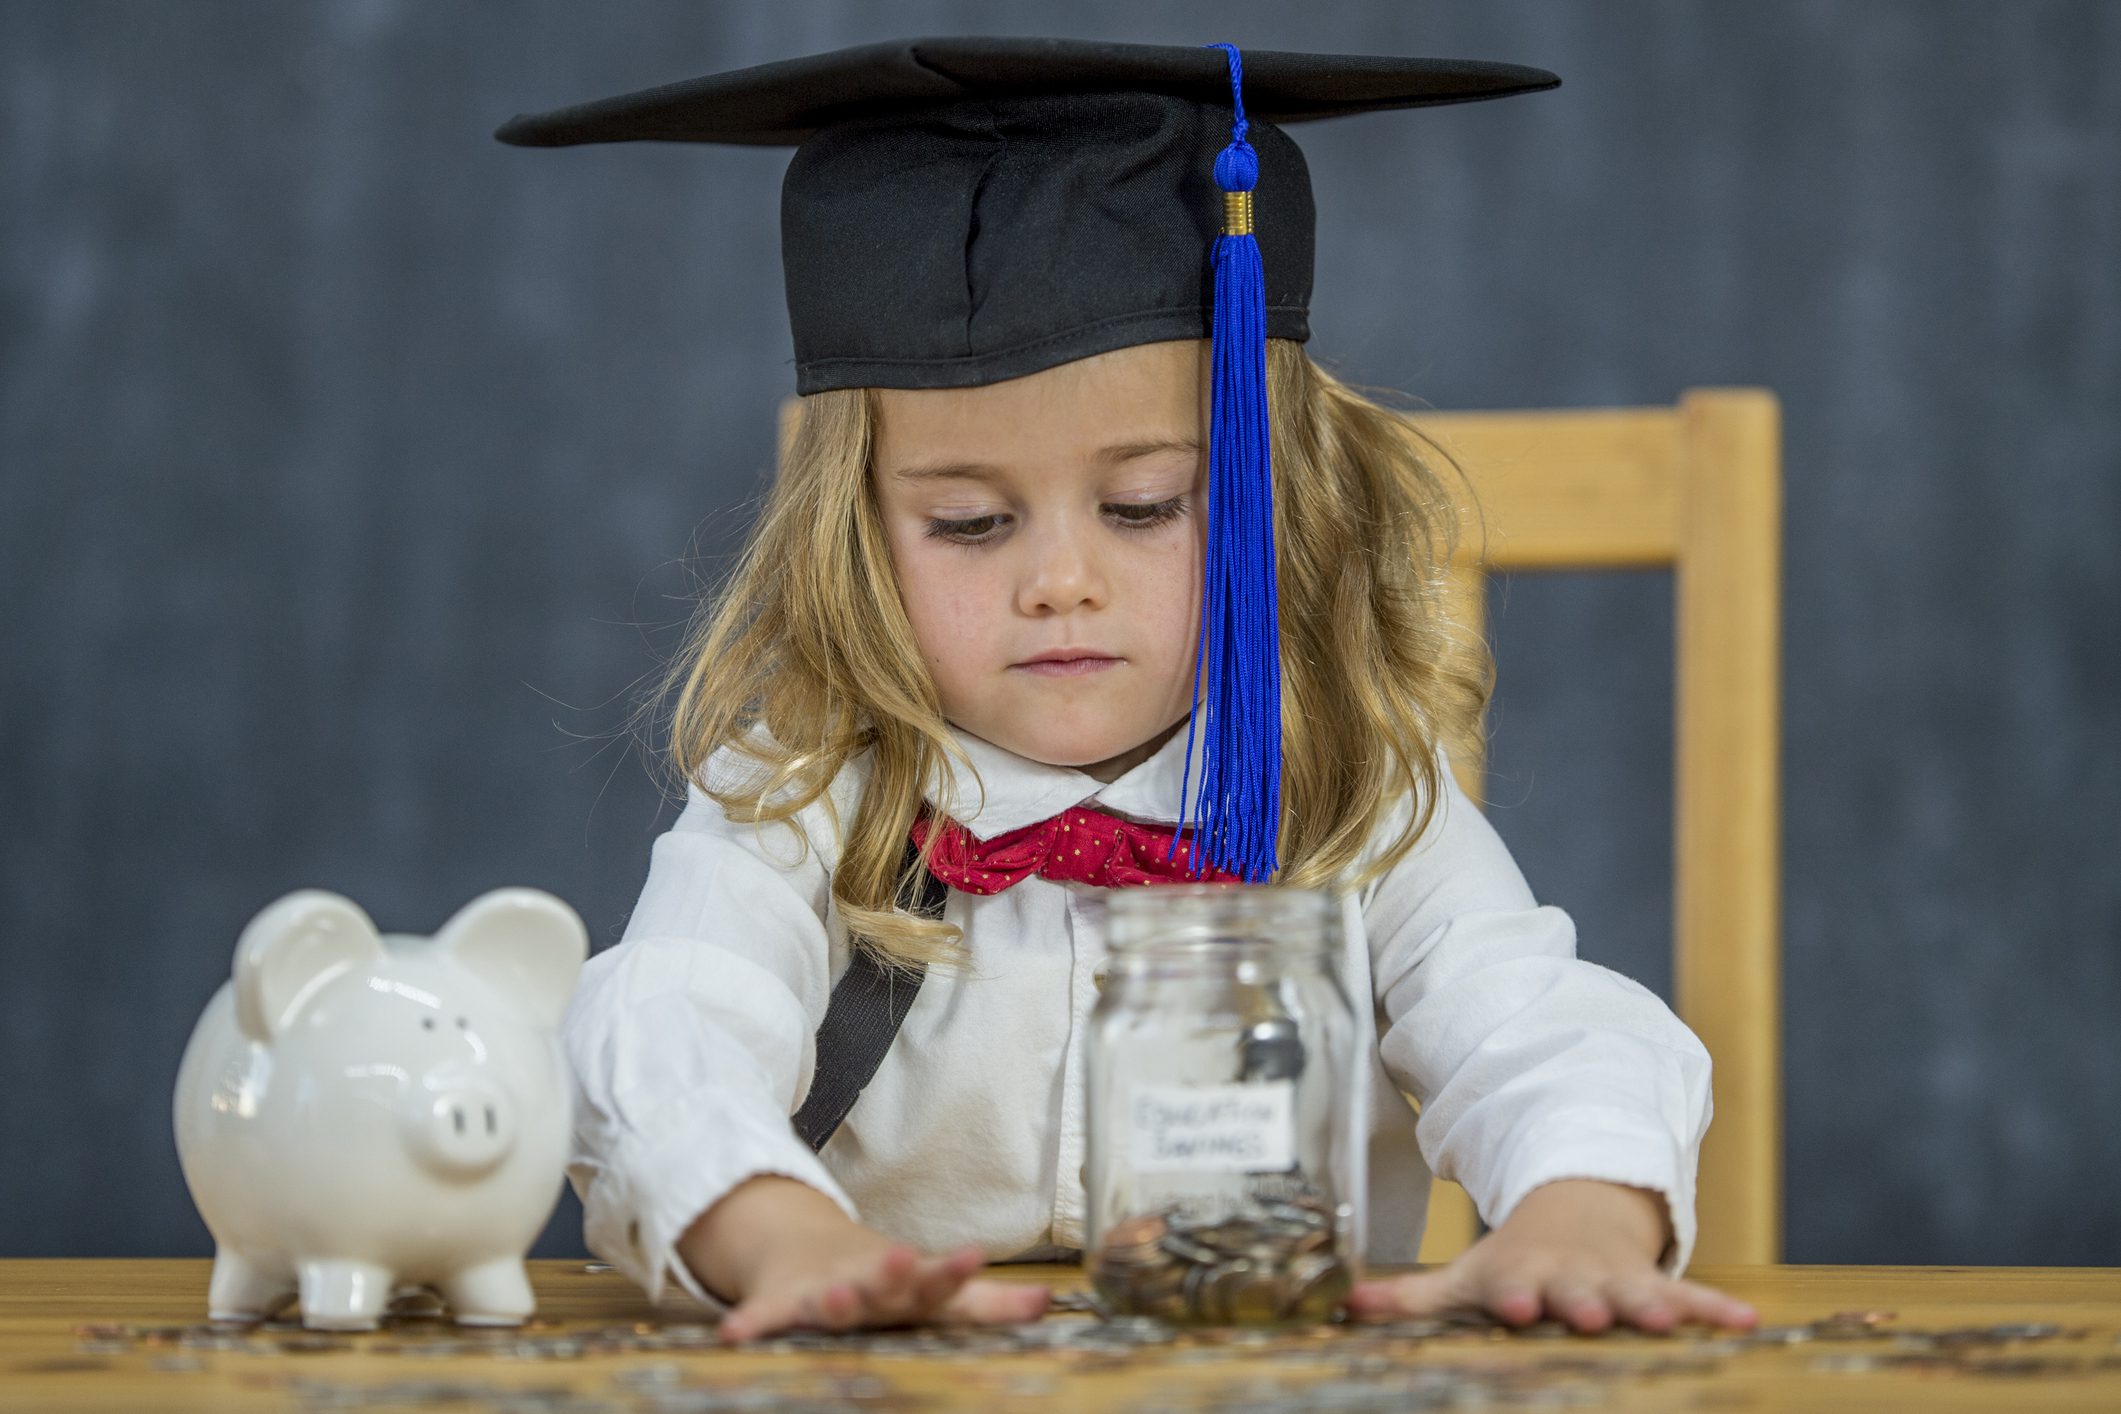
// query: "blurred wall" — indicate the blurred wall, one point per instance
point(355, 469)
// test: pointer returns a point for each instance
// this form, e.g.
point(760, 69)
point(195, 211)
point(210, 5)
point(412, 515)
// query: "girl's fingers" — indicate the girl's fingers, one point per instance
point(1508, 1297)
point(993, 1302)
point(902, 1287)
point(1426, 1293)
point(1579, 1303)
point(757, 1317)
point(1644, 1302)
point(941, 1277)
point(835, 1307)
point(1514, 1299)
point(890, 1290)
point(1706, 1304)
point(895, 1269)
point(1021, 1302)
point(1652, 1304)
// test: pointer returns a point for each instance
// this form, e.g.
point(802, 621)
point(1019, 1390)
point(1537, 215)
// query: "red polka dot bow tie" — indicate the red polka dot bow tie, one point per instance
point(1077, 846)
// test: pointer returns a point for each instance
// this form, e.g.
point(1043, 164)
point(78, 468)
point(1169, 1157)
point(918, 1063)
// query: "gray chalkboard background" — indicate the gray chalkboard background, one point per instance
point(355, 469)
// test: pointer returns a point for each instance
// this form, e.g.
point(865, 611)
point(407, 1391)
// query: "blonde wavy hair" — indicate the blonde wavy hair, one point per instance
point(808, 639)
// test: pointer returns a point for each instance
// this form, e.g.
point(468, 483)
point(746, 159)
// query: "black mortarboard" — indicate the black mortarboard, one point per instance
point(964, 210)
point(961, 211)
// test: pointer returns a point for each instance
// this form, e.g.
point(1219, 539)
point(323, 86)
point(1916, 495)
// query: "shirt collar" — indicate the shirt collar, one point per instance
point(1004, 791)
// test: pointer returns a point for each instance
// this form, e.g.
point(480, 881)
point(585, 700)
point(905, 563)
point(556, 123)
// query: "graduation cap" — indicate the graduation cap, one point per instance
point(959, 211)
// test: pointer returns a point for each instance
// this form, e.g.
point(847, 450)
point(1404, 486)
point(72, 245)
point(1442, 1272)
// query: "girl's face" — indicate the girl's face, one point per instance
point(1048, 534)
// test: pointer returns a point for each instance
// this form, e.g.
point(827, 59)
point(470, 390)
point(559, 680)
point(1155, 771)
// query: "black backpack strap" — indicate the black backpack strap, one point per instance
point(869, 1003)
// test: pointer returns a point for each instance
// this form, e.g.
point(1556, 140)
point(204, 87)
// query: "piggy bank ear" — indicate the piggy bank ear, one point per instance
point(525, 943)
point(293, 948)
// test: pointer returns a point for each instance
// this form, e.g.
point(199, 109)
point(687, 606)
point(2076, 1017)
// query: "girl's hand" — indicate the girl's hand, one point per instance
point(878, 1284)
point(1577, 1250)
point(783, 1255)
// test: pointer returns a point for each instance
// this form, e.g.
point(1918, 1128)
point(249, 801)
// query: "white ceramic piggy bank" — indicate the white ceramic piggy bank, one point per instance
point(358, 1115)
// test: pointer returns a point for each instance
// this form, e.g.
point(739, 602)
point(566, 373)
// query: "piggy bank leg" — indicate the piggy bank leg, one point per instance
point(344, 1296)
point(243, 1290)
point(494, 1294)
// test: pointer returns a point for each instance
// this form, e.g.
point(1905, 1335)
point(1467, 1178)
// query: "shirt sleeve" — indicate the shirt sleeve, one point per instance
point(692, 1039)
point(1529, 1064)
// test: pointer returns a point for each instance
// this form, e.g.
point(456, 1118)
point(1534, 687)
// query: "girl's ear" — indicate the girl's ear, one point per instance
point(291, 950)
point(526, 944)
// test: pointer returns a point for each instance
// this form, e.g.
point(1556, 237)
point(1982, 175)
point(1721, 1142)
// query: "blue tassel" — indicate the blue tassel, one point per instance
point(1236, 817)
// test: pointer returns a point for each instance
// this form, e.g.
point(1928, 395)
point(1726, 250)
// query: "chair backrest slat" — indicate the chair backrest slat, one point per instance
point(1598, 487)
point(1696, 488)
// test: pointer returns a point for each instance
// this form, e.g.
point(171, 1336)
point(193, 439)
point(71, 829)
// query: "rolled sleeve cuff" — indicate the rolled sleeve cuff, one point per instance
point(657, 1181)
point(1615, 1146)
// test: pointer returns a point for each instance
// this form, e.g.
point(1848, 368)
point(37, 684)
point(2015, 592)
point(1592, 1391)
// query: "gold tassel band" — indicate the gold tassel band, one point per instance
point(1237, 213)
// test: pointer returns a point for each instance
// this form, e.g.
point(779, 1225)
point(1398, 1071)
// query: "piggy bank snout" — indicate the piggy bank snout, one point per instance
point(460, 1127)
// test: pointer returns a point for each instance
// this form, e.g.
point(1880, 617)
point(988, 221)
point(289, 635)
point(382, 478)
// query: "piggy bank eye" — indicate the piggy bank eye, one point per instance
point(462, 1023)
point(427, 1022)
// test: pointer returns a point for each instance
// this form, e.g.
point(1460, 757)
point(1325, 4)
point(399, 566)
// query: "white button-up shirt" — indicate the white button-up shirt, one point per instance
point(692, 1040)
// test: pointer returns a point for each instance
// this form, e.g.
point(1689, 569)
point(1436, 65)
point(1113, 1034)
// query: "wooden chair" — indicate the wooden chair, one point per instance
point(1697, 489)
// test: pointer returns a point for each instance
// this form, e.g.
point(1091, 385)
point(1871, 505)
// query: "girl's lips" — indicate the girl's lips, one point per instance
point(1068, 667)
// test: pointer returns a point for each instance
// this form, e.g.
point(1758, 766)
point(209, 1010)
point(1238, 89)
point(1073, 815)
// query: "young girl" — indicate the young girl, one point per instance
point(974, 602)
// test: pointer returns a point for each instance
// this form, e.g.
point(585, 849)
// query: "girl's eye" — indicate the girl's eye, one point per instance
point(1137, 516)
point(961, 531)
point(1133, 515)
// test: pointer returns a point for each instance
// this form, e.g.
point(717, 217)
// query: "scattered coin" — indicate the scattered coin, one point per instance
point(1079, 1302)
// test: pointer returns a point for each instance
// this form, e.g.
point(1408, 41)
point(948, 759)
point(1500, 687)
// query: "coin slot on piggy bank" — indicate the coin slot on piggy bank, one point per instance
point(1224, 1090)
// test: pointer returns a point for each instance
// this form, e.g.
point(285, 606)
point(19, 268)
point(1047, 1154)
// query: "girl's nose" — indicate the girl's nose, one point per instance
point(1063, 575)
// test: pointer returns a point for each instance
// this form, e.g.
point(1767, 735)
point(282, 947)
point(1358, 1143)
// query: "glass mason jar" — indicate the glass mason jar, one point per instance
point(1226, 1136)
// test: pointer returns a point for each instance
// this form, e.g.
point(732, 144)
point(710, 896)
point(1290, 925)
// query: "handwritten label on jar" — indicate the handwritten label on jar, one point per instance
point(1213, 1128)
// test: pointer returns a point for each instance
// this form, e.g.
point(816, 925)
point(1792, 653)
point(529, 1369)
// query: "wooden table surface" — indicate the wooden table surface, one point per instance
point(131, 1335)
